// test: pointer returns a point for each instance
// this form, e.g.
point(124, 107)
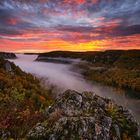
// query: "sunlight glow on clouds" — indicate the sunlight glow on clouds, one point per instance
point(77, 25)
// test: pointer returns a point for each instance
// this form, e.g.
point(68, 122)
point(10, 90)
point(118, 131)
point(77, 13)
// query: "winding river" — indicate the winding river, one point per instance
point(62, 76)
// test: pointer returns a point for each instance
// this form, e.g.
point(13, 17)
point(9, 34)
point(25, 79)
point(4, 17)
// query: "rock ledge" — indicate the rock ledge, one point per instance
point(85, 116)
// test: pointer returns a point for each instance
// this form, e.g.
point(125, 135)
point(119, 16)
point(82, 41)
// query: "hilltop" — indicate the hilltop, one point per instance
point(109, 57)
point(7, 55)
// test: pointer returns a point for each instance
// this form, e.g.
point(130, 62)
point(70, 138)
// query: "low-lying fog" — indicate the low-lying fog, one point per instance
point(57, 74)
point(62, 76)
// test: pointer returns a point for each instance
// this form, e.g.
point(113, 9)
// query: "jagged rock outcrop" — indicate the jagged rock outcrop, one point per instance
point(85, 116)
point(6, 55)
point(8, 67)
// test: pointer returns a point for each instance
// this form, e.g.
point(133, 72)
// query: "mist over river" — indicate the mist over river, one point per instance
point(62, 76)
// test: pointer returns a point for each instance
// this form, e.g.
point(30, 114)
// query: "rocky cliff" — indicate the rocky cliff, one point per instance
point(85, 116)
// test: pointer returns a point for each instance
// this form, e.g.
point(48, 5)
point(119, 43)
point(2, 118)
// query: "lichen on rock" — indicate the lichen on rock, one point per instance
point(85, 116)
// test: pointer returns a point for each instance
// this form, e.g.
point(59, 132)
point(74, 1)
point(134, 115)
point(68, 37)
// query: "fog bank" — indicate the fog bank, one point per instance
point(62, 76)
point(57, 74)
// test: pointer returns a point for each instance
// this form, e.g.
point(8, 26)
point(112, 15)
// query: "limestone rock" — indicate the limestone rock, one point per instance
point(83, 116)
point(8, 67)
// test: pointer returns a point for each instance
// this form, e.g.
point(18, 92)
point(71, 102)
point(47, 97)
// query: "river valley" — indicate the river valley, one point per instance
point(63, 77)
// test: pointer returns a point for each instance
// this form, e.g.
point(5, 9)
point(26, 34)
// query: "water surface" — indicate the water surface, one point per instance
point(65, 78)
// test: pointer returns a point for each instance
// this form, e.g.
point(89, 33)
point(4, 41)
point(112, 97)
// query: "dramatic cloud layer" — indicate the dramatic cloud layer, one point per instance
point(44, 25)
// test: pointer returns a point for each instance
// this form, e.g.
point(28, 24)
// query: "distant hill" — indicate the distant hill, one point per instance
point(7, 55)
point(129, 59)
point(67, 54)
point(120, 58)
point(119, 68)
point(32, 53)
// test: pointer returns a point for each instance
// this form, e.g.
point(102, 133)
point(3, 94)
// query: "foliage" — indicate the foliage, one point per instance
point(126, 126)
point(22, 101)
point(120, 58)
point(114, 67)
point(124, 72)
point(106, 57)
point(123, 78)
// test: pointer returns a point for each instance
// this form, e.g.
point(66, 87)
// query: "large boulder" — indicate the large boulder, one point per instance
point(85, 116)
point(8, 67)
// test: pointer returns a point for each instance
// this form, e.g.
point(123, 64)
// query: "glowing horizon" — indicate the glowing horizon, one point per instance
point(69, 25)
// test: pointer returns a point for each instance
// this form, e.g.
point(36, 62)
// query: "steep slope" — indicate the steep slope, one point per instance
point(124, 72)
point(22, 101)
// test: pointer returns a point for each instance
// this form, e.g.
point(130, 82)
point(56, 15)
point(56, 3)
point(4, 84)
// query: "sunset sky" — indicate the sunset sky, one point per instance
point(76, 25)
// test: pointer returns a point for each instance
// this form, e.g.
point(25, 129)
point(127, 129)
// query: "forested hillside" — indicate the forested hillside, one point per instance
point(114, 67)
point(124, 72)
point(7, 55)
point(22, 101)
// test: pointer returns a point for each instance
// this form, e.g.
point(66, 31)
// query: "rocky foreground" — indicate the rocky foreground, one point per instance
point(85, 116)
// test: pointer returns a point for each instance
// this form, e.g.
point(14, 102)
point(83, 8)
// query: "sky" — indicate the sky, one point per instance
point(74, 25)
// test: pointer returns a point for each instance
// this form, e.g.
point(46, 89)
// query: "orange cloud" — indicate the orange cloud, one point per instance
point(129, 42)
